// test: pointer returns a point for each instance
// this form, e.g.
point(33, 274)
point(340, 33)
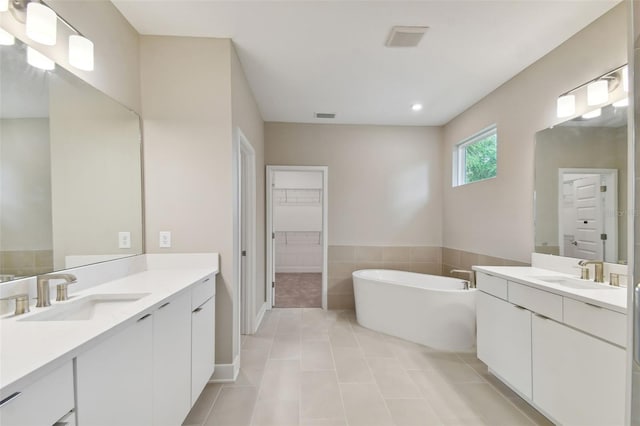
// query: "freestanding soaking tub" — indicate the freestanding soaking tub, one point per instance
point(431, 310)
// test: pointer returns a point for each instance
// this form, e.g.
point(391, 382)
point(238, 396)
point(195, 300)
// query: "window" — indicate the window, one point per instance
point(475, 158)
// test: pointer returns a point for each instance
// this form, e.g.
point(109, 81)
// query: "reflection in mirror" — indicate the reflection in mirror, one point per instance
point(581, 187)
point(70, 171)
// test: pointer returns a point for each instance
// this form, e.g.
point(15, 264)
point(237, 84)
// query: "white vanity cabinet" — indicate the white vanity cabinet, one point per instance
point(41, 403)
point(114, 378)
point(565, 356)
point(202, 335)
point(579, 380)
point(504, 340)
point(172, 361)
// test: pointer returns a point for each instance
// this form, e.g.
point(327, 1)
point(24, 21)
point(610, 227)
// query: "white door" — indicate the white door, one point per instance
point(589, 218)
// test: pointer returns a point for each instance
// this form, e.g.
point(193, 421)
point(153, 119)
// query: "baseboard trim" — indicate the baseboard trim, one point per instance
point(298, 269)
point(260, 316)
point(226, 373)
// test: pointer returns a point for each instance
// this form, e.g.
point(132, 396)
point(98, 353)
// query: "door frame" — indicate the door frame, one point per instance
point(269, 279)
point(245, 198)
point(610, 221)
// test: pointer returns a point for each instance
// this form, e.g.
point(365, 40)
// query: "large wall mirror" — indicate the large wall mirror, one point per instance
point(581, 187)
point(70, 171)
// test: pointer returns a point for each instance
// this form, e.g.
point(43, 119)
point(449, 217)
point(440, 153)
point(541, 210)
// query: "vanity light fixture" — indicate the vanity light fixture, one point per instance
point(566, 106)
point(81, 52)
point(38, 60)
point(6, 39)
point(621, 103)
point(597, 92)
point(592, 114)
point(42, 23)
point(416, 107)
point(4, 5)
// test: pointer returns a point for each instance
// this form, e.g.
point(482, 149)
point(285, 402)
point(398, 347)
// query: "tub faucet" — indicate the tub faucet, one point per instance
point(471, 274)
point(598, 269)
point(43, 287)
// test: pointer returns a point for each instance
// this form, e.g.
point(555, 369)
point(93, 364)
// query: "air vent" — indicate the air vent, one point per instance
point(325, 115)
point(405, 36)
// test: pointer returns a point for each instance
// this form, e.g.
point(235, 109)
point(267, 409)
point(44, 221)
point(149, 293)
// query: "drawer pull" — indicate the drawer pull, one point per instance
point(591, 304)
point(166, 304)
point(144, 317)
point(205, 280)
point(196, 310)
point(10, 398)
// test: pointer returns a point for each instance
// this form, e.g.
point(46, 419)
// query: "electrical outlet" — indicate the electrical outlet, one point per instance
point(124, 240)
point(165, 239)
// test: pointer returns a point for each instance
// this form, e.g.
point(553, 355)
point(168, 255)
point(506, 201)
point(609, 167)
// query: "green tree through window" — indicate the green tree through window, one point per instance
point(480, 159)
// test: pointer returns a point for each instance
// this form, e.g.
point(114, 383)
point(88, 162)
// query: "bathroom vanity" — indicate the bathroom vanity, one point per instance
point(139, 350)
point(556, 340)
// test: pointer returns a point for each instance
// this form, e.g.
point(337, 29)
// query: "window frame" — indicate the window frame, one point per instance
point(459, 156)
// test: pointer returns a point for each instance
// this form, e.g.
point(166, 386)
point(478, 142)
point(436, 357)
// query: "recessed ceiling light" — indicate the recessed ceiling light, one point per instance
point(416, 107)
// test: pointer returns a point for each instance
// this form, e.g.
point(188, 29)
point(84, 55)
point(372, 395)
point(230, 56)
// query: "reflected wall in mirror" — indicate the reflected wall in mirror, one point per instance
point(70, 171)
point(581, 187)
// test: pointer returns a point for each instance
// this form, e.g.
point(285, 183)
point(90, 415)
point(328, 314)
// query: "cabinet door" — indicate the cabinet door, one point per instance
point(172, 361)
point(203, 346)
point(578, 379)
point(114, 379)
point(504, 340)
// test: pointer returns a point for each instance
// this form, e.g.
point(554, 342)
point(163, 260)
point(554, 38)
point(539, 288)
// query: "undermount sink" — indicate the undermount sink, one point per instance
point(87, 308)
point(575, 283)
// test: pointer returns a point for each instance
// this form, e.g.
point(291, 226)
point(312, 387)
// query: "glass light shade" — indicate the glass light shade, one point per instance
point(598, 92)
point(625, 78)
point(6, 39)
point(621, 103)
point(38, 60)
point(81, 52)
point(4, 5)
point(593, 114)
point(42, 24)
point(566, 106)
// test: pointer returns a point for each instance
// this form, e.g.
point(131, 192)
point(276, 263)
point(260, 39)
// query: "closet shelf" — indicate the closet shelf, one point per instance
point(298, 196)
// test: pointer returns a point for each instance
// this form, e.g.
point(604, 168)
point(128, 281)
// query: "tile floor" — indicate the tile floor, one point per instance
point(308, 367)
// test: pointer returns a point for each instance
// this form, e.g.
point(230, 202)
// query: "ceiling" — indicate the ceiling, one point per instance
point(302, 57)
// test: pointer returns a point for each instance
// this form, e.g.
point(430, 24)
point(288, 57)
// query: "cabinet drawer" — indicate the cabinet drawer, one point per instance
point(600, 322)
point(43, 402)
point(538, 301)
point(492, 285)
point(203, 290)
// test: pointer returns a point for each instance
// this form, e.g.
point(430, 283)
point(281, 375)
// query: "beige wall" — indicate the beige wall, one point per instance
point(246, 117)
point(188, 158)
point(495, 217)
point(384, 181)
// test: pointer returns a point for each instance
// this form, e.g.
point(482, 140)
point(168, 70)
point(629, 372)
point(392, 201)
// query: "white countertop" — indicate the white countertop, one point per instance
point(31, 349)
point(614, 299)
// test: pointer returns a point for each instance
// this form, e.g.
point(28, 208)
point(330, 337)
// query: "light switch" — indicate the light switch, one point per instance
point(165, 239)
point(124, 240)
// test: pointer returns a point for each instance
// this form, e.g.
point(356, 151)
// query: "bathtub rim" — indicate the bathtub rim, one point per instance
point(406, 284)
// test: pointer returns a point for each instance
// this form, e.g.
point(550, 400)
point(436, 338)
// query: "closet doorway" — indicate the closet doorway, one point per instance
point(297, 232)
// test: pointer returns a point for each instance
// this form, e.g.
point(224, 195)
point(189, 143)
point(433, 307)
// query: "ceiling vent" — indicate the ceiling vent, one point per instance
point(405, 36)
point(325, 115)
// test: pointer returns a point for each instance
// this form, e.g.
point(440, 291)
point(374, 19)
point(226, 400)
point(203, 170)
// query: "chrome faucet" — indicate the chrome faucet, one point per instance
point(471, 274)
point(598, 267)
point(43, 287)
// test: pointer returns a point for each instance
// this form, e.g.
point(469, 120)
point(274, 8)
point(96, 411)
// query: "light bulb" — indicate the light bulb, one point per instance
point(42, 24)
point(566, 106)
point(4, 5)
point(81, 52)
point(416, 107)
point(38, 60)
point(593, 114)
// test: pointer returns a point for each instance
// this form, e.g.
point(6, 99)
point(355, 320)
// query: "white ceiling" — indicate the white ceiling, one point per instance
point(302, 57)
